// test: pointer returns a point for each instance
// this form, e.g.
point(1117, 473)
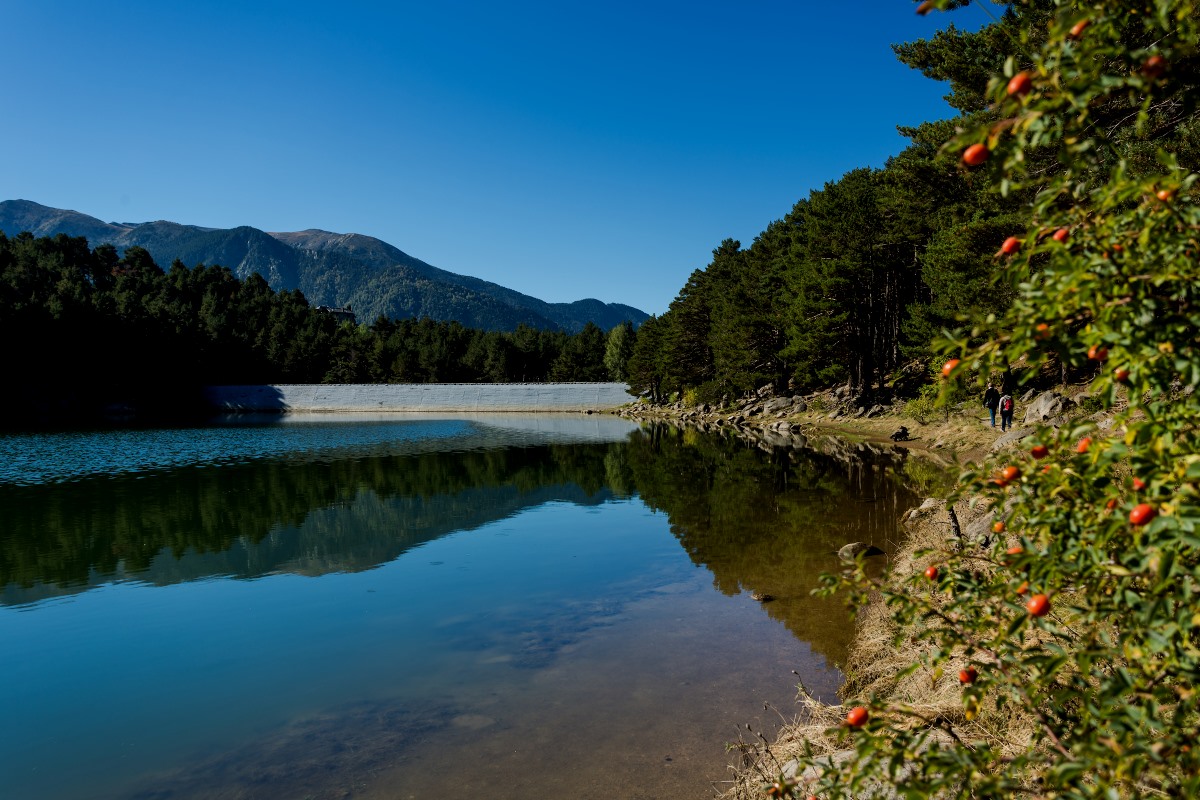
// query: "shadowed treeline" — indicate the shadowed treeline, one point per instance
point(101, 329)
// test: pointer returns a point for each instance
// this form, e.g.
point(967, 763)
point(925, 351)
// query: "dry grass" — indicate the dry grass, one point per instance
point(873, 669)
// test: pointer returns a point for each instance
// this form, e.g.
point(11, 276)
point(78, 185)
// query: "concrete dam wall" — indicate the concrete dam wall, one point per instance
point(311, 397)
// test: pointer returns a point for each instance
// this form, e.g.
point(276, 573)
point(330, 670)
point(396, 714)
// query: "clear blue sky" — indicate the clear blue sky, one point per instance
point(565, 150)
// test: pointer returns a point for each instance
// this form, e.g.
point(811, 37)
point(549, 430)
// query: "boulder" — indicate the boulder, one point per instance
point(980, 529)
point(875, 411)
point(799, 405)
point(778, 404)
point(1011, 437)
point(930, 506)
point(849, 552)
point(1046, 407)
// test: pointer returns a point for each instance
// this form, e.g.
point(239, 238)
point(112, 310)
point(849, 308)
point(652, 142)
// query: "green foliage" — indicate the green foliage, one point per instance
point(856, 278)
point(925, 406)
point(102, 329)
point(1105, 532)
point(618, 347)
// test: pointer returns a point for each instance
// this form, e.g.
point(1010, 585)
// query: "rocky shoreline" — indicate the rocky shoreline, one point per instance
point(961, 435)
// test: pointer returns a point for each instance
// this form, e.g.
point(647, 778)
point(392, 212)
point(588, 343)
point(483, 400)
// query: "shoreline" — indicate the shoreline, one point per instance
point(875, 663)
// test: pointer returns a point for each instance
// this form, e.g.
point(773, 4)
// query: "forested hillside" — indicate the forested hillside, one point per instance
point(331, 269)
point(854, 282)
point(88, 326)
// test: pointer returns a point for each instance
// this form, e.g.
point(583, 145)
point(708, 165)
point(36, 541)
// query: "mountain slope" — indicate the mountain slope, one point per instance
point(334, 269)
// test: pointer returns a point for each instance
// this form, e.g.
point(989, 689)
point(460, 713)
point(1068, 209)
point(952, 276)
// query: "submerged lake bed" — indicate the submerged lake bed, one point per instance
point(414, 605)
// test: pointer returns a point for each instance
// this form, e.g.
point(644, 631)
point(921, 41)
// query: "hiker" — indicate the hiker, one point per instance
point(991, 399)
point(1006, 412)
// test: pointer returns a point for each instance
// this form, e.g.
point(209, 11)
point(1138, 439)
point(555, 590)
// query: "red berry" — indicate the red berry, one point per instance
point(925, 7)
point(1010, 473)
point(1041, 330)
point(998, 526)
point(1011, 245)
point(931, 572)
point(1097, 352)
point(1084, 444)
point(1061, 235)
point(1138, 484)
point(1165, 195)
point(1023, 588)
point(1078, 28)
point(949, 367)
point(1121, 374)
point(1038, 605)
point(1142, 513)
point(1154, 67)
point(1020, 84)
point(857, 717)
point(975, 155)
point(1039, 451)
point(967, 676)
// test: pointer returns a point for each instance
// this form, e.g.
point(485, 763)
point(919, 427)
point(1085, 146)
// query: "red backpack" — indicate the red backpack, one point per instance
point(1006, 403)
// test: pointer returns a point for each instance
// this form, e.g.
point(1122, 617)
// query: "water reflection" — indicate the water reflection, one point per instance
point(766, 522)
point(726, 501)
point(483, 587)
point(770, 520)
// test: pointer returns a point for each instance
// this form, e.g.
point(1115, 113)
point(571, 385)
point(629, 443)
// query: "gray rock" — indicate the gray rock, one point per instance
point(799, 405)
point(1047, 406)
point(980, 529)
point(1012, 437)
point(778, 404)
point(875, 411)
point(1025, 398)
point(851, 551)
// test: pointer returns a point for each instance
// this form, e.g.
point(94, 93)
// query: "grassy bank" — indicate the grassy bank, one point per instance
point(874, 665)
point(883, 655)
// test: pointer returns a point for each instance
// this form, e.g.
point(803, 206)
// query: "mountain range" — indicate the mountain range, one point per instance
point(332, 269)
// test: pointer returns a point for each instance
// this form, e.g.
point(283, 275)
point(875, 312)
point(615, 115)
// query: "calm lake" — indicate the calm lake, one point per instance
point(409, 606)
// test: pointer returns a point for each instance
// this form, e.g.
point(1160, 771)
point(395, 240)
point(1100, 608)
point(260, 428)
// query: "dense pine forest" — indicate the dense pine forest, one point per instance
point(853, 284)
point(87, 326)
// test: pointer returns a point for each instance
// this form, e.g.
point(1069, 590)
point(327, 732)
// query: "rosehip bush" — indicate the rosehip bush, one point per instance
point(1086, 611)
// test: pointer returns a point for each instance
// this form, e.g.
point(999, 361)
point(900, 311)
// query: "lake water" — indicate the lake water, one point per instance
point(413, 606)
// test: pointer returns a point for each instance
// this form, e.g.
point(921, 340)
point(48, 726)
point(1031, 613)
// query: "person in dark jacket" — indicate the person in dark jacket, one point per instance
point(991, 399)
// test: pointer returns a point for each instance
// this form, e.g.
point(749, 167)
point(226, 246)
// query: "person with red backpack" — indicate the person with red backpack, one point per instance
point(1006, 411)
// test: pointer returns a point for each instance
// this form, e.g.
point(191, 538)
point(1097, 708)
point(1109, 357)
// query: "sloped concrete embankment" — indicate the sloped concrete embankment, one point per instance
point(350, 398)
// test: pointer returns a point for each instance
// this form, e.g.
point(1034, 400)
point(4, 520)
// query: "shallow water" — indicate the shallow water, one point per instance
point(412, 606)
